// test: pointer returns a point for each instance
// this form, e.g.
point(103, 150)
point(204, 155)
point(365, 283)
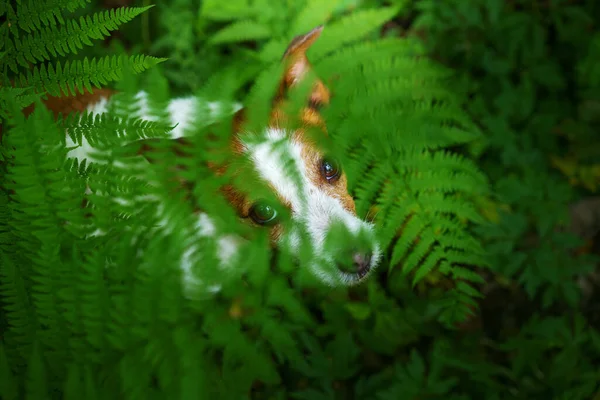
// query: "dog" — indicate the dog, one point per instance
point(318, 202)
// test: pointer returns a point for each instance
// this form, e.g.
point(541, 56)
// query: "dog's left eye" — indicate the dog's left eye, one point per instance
point(330, 169)
point(263, 213)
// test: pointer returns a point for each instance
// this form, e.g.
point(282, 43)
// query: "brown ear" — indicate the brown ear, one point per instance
point(297, 65)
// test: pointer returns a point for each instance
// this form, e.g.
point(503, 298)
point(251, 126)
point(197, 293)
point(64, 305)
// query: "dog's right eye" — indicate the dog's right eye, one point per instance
point(263, 213)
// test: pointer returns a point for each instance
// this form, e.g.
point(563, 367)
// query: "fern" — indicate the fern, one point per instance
point(92, 127)
point(110, 290)
point(245, 21)
point(68, 38)
point(18, 95)
point(240, 31)
point(74, 76)
point(39, 31)
point(314, 13)
point(35, 14)
point(353, 27)
point(419, 188)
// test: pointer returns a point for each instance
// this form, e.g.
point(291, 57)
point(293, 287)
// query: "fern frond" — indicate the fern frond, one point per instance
point(241, 31)
point(345, 57)
point(400, 118)
point(368, 190)
point(409, 233)
point(21, 96)
point(74, 76)
point(351, 28)
point(456, 306)
point(52, 41)
point(465, 274)
point(34, 14)
point(93, 128)
point(314, 13)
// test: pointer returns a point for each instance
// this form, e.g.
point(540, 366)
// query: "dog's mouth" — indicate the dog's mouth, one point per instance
point(362, 272)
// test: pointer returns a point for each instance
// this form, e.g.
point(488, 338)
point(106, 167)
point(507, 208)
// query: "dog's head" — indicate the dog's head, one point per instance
point(315, 195)
point(317, 199)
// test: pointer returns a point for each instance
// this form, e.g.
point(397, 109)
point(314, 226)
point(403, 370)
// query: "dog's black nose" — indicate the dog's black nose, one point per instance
point(362, 263)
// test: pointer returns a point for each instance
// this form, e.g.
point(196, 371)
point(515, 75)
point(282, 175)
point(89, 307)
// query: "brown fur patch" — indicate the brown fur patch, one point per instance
point(338, 189)
point(67, 104)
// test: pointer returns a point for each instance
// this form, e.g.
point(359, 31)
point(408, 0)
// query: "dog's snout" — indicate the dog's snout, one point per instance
point(362, 263)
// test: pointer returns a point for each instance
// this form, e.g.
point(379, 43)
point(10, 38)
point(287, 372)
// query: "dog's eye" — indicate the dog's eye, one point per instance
point(263, 213)
point(330, 169)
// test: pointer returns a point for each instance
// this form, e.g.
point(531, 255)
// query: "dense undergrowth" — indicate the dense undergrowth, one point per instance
point(503, 123)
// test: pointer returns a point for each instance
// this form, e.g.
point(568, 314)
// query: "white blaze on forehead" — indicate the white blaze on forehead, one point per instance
point(269, 156)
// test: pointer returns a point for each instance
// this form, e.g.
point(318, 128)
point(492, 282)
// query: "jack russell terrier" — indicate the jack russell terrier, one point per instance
point(317, 202)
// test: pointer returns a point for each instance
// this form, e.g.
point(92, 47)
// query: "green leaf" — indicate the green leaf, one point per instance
point(350, 29)
point(230, 10)
point(359, 311)
point(241, 31)
point(73, 76)
point(314, 13)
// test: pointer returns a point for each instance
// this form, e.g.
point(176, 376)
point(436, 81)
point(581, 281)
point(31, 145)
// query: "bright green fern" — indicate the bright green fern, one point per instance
point(92, 255)
point(37, 33)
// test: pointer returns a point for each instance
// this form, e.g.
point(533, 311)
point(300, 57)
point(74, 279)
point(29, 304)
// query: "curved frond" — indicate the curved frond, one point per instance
point(68, 37)
point(34, 14)
point(73, 76)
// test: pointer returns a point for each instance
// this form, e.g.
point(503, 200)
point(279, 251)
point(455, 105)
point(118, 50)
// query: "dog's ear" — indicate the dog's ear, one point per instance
point(296, 66)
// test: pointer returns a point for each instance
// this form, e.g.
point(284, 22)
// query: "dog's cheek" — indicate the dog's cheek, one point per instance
point(276, 234)
point(348, 203)
point(341, 192)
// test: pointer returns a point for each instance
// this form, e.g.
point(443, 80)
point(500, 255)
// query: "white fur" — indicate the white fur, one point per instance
point(227, 249)
point(184, 113)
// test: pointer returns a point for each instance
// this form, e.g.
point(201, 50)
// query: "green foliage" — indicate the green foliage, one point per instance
point(467, 165)
point(70, 37)
point(73, 77)
point(36, 33)
point(214, 35)
point(527, 66)
point(419, 189)
point(521, 103)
